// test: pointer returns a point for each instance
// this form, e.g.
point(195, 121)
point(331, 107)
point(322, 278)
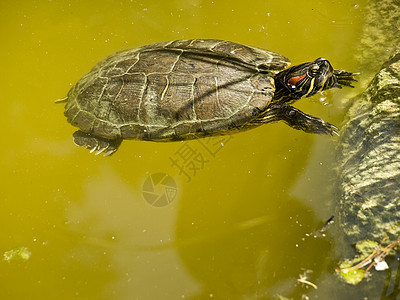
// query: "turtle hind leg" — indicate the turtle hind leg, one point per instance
point(297, 119)
point(95, 143)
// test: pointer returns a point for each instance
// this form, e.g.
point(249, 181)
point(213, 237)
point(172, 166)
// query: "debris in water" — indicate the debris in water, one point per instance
point(330, 221)
point(21, 253)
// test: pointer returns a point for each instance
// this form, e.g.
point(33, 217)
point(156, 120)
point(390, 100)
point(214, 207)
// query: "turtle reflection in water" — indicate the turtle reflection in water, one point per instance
point(190, 89)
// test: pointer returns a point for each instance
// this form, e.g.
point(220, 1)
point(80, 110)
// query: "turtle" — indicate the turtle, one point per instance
point(195, 88)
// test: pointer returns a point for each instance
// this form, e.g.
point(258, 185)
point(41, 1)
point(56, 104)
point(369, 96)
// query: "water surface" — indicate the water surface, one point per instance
point(240, 212)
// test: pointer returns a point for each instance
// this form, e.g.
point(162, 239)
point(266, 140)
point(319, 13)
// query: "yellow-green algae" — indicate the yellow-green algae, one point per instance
point(19, 253)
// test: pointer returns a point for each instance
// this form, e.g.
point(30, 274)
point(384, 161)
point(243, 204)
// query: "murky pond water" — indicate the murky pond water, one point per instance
point(230, 217)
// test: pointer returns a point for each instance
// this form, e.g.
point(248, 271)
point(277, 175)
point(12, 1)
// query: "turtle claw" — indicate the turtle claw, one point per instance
point(335, 132)
point(100, 150)
point(344, 78)
point(96, 145)
point(109, 152)
point(322, 127)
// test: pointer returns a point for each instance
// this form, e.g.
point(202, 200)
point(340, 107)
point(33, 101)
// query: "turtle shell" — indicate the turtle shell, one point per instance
point(174, 90)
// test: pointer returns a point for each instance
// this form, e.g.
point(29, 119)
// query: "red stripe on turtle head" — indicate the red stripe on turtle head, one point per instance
point(294, 80)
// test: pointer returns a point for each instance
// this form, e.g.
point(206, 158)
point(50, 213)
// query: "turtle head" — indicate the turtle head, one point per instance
point(308, 79)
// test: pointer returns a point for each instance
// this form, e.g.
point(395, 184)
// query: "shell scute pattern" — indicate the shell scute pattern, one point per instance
point(174, 90)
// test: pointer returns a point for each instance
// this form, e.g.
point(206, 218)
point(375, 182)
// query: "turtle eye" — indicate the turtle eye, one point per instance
point(314, 70)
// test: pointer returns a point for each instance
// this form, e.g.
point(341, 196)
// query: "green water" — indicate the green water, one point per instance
point(239, 212)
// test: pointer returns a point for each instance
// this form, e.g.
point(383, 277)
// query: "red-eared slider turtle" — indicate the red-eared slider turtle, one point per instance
point(189, 89)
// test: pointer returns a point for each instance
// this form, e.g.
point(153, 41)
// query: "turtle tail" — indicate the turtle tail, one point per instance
point(62, 100)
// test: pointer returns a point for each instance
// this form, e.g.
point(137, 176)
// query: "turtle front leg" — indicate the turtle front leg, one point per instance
point(95, 143)
point(296, 119)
